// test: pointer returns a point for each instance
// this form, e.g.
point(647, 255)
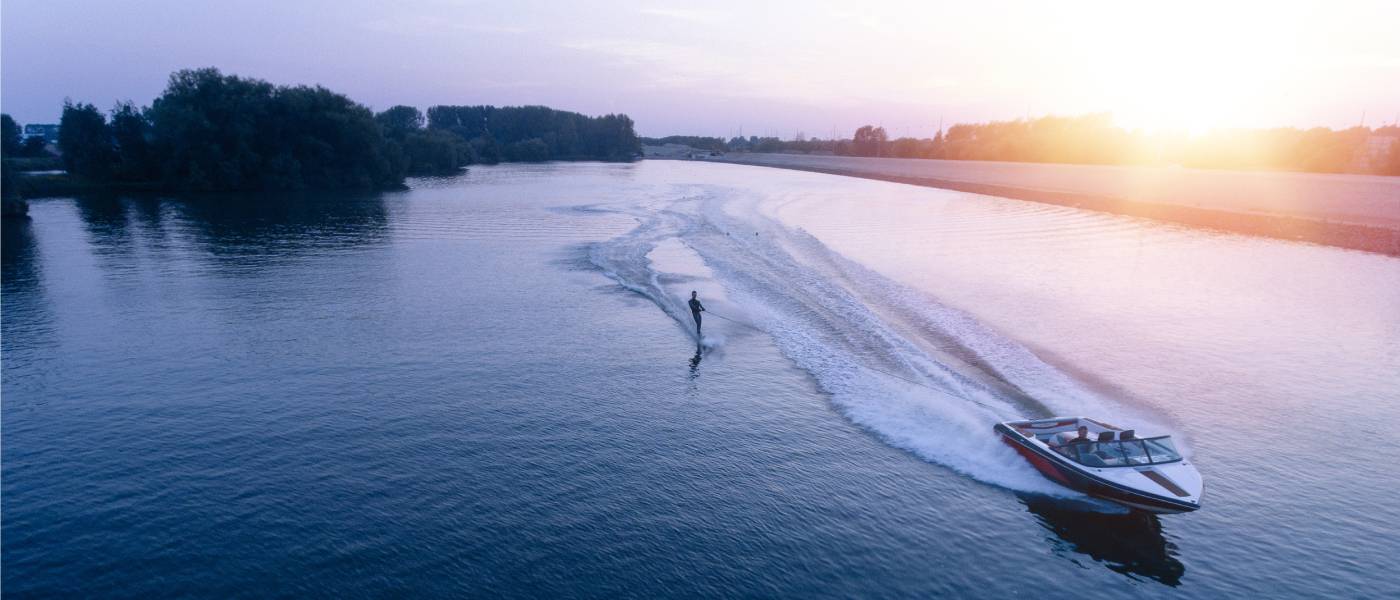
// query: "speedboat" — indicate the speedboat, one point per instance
point(1109, 462)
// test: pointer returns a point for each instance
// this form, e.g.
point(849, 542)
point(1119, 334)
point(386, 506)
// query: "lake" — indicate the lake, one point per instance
point(489, 385)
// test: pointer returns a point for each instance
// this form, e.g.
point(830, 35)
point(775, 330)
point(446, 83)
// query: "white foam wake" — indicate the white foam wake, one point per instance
point(861, 336)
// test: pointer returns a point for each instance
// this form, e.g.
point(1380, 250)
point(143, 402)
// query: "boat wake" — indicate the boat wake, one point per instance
point(921, 375)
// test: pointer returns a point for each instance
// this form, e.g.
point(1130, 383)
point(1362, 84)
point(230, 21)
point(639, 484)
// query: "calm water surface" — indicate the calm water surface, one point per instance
point(487, 385)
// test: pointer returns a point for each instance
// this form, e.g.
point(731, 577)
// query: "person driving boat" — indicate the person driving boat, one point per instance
point(1064, 439)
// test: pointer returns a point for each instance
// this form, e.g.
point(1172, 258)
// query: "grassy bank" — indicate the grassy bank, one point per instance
point(47, 185)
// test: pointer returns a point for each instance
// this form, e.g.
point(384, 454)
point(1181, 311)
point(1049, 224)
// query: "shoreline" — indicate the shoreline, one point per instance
point(1379, 239)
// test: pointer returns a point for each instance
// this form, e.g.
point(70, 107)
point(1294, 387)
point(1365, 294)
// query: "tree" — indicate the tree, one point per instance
point(11, 204)
point(494, 131)
point(130, 135)
point(435, 152)
point(205, 133)
point(213, 131)
point(216, 131)
point(9, 135)
point(531, 150)
point(869, 141)
point(1392, 167)
point(908, 148)
point(704, 143)
point(33, 147)
point(486, 149)
point(86, 142)
point(400, 121)
point(425, 151)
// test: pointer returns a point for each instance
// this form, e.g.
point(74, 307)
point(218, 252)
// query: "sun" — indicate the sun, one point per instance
point(1178, 72)
point(1159, 113)
point(1175, 89)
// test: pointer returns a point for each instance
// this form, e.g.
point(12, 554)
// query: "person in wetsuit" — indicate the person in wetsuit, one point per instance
point(695, 309)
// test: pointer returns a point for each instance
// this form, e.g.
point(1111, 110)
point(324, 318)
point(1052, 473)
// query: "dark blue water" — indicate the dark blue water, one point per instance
point(480, 386)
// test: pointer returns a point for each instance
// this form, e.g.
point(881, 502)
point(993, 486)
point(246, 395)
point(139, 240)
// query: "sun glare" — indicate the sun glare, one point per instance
point(1178, 72)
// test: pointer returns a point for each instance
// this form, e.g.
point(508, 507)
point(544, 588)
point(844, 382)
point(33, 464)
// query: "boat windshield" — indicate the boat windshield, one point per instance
point(1121, 453)
point(1162, 449)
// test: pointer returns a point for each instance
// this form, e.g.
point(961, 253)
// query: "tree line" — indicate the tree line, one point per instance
point(211, 131)
point(1094, 139)
point(698, 142)
point(537, 133)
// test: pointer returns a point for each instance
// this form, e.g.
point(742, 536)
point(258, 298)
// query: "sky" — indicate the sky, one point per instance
point(757, 67)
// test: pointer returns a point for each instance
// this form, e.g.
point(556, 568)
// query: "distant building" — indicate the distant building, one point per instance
point(48, 131)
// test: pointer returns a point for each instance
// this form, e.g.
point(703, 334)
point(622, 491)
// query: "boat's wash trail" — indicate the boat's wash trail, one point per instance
point(847, 325)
